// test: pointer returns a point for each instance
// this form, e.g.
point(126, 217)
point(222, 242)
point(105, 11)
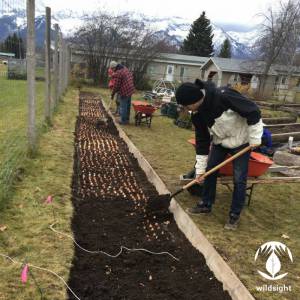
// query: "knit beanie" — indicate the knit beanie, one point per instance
point(189, 93)
point(113, 64)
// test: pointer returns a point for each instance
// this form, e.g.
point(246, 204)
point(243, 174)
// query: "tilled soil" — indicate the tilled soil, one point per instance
point(114, 206)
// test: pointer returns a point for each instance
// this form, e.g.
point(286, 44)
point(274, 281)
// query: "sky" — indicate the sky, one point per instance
point(217, 11)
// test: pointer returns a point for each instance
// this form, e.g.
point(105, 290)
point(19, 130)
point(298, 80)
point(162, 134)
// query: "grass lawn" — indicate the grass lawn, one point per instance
point(274, 210)
point(13, 126)
point(25, 220)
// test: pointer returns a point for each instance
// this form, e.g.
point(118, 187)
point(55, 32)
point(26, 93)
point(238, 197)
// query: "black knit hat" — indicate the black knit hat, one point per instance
point(189, 93)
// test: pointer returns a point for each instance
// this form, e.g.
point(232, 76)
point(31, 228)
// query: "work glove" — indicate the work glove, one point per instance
point(201, 163)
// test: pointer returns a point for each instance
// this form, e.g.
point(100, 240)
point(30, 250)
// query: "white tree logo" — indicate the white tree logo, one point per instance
point(274, 250)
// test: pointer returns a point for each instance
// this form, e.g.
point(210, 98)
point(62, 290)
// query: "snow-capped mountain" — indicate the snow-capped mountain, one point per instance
point(15, 21)
point(175, 29)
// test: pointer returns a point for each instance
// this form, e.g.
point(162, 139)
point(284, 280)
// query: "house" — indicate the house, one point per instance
point(168, 66)
point(4, 56)
point(175, 67)
point(282, 81)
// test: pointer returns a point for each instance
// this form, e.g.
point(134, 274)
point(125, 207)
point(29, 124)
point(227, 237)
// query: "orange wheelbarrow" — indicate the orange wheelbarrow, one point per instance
point(143, 112)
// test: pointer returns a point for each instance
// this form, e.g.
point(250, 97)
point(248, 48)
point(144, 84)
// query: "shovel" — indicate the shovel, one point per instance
point(102, 121)
point(214, 169)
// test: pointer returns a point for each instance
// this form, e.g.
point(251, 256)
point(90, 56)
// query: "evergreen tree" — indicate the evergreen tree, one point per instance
point(225, 49)
point(199, 39)
point(14, 44)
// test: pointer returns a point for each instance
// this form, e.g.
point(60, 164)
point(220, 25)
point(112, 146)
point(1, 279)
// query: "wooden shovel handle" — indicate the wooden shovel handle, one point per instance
point(214, 169)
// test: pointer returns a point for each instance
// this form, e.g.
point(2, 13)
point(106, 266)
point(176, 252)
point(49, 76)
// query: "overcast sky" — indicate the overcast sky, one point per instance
point(218, 11)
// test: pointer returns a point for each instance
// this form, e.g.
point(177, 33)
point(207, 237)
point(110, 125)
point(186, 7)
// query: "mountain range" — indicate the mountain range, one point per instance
point(175, 29)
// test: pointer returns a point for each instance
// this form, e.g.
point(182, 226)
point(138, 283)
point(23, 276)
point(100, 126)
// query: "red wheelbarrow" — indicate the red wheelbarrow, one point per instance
point(143, 112)
point(258, 164)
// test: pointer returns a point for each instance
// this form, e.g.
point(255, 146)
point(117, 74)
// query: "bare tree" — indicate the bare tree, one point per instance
point(123, 38)
point(278, 30)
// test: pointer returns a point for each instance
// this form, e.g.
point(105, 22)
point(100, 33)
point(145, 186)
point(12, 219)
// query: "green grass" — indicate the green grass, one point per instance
point(274, 211)
point(28, 237)
point(13, 127)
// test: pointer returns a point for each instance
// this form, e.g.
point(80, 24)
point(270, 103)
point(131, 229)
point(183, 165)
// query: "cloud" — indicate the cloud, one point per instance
point(230, 11)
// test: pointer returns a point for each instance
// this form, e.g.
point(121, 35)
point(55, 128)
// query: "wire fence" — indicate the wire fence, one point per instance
point(34, 74)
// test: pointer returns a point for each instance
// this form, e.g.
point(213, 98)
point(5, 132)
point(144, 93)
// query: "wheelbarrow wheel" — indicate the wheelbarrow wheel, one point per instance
point(138, 118)
point(149, 121)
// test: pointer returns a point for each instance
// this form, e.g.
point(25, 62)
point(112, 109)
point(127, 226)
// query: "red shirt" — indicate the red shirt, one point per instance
point(123, 82)
point(111, 82)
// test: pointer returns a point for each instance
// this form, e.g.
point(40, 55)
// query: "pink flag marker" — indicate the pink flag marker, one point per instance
point(49, 199)
point(24, 274)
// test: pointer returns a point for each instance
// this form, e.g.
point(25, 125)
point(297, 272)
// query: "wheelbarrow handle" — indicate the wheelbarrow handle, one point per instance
point(214, 169)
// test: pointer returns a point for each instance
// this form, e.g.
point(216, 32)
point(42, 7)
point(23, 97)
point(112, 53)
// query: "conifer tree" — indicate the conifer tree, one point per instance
point(199, 40)
point(14, 44)
point(225, 49)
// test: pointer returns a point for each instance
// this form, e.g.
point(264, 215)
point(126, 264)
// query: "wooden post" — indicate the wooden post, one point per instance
point(48, 114)
point(55, 65)
point(30, 61)
point(61, 59)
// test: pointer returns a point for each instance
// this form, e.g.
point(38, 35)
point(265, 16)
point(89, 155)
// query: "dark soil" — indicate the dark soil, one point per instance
point(114, 206)
point(285, 129)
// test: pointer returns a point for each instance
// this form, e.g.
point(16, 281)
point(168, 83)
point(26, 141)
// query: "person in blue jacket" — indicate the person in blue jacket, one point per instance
point(226, 122)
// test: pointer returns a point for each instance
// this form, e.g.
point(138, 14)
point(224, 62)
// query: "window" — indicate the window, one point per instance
point(202, 73)
point(151, 70)
point(182, 69)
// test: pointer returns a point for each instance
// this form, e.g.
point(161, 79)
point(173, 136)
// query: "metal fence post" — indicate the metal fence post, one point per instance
point(48, 114)
point(30, 58)
point(55, 65)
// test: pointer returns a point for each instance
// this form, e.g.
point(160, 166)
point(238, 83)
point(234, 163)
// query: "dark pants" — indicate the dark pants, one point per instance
point(125, 104)
point(240, 171)
point(118, 104)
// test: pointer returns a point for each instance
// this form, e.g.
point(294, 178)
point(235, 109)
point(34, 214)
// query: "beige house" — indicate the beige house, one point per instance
point(166, 66)
point(282, 82)
point(176, 67)
point(5, 56)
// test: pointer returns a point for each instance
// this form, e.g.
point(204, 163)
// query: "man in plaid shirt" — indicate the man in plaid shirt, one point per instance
point(124, 86)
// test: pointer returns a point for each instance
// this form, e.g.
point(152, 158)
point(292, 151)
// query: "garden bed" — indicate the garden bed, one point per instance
point(115, 205)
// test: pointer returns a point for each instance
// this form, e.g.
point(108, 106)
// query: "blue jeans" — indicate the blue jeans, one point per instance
point(240, 171)
point(125, 104)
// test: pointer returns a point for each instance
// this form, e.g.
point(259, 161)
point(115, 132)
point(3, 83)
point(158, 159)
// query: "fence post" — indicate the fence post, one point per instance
point(55, 65)
point(48, 114)
point(66, 66)
point(61, 60)
point(30, 58)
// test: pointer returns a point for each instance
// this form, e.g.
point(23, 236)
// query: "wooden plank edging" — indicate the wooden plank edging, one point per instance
point(214, 260)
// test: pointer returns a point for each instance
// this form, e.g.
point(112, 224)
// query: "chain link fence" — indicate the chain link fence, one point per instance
point(34, 74)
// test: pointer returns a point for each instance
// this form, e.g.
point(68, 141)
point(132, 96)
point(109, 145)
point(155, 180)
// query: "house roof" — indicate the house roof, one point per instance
point(181, 59)
point(7, 54)
point(234, 65)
